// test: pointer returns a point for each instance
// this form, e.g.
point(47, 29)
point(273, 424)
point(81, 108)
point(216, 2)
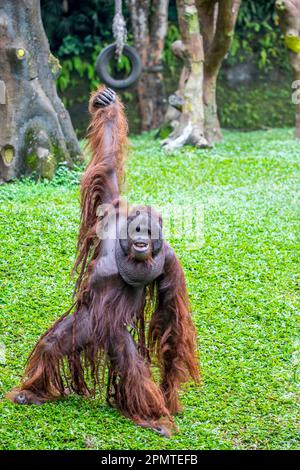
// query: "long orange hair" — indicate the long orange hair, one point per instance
point(115, 324)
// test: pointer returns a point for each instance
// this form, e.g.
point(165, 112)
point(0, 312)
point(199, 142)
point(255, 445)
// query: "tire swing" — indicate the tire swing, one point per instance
point(116, 50)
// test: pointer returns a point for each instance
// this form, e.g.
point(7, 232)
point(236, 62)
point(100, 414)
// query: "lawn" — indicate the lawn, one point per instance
point(244, 284)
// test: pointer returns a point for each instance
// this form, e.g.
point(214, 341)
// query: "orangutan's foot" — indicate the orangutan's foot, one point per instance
point(165, 426)
point(24, 397)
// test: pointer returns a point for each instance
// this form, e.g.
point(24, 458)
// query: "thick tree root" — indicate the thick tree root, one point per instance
point(185, 135)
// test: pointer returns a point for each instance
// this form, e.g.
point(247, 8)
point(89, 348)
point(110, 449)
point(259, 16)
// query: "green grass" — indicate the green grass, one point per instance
point(244, 286)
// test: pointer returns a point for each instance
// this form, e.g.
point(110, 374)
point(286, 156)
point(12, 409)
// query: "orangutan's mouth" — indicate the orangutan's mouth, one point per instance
point(141, 246)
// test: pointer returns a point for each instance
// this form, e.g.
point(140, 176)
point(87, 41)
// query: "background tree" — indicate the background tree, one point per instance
point(257, 56)
point(149, 19)
point(289, 19)
point(207, 28)
point(35, 128)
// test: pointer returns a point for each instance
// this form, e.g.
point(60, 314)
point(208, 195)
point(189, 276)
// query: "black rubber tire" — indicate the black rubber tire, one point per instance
point(105, 57)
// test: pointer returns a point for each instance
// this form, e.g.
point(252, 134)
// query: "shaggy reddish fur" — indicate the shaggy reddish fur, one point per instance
point(107, 325)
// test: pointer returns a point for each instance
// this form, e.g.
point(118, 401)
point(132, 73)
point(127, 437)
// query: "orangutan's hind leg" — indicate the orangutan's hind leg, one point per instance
point(172, 334)
point(42, 379)
point(131, 388)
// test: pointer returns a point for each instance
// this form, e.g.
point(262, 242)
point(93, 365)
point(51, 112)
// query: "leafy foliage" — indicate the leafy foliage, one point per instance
point(78, 35)
point(247, 107)
point(170, 60)
point(87, 26)
point(91, 18)
point(258, 37)
point(76, 67)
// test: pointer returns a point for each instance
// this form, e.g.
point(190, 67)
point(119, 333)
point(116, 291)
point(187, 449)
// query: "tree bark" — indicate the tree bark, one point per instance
point(190, 128)
point(149, 20)
point(35, 128)
point(216, 21)
point(289, 19)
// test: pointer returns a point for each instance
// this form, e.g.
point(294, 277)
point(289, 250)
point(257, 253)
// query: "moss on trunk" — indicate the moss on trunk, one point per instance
point(35, 128)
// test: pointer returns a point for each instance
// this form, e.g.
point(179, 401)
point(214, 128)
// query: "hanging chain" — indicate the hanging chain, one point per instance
point(119, 28)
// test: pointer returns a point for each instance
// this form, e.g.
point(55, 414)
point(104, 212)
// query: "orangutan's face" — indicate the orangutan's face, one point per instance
point(144, 234)
point(140, 256)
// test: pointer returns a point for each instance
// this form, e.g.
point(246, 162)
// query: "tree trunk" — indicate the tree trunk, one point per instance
point(215, 21)
point(190, 128)
point(289, 19)
point(149, 20)
point(35, 128)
